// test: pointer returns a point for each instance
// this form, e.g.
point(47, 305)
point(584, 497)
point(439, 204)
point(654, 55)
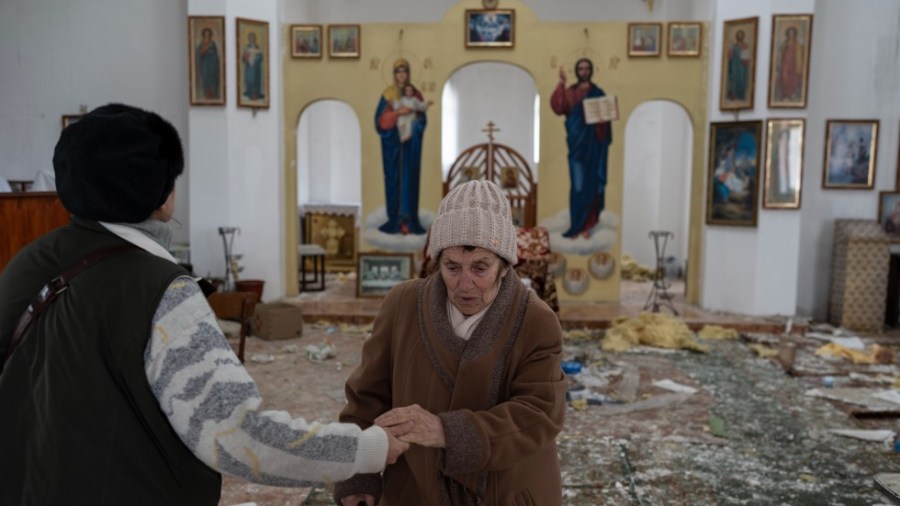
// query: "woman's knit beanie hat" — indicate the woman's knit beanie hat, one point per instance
point(475, 214)
point(117, 163)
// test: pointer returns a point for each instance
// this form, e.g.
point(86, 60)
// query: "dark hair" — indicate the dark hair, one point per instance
point(589, 62)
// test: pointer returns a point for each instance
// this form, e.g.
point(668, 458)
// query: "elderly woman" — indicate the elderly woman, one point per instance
point(470, 357)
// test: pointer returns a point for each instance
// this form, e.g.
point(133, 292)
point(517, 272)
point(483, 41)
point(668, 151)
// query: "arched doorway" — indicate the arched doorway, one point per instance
point(483, 92)
point(329, 187)
point(328, 154)
point(657, 183)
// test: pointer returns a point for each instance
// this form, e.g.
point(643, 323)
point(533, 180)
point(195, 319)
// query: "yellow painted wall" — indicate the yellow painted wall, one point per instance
point(540, 48)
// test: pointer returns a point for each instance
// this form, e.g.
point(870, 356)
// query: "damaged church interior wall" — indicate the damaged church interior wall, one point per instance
point(783, 265)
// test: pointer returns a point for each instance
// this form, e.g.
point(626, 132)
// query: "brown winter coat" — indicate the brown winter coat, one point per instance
point(500, 396)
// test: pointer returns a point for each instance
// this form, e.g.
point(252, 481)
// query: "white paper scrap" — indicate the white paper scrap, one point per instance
point(674, 387)
point(865, 435)
point(852, 343)
point(888, 395)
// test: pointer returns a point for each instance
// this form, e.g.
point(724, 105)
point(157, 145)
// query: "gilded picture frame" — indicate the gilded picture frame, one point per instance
point(644, 39)
point(789, 61)
point(889, 211)
point(344, 41)
point(377, 273)
point(306, 41)
point(783, 177)
point(850, 153)
point(253, 60)
point(490, 28)
point(69, 119)
point(738, 76)
point(684, 39)
point(897, 172)
point(206, 60)
point(732, 194)
point(336, 234)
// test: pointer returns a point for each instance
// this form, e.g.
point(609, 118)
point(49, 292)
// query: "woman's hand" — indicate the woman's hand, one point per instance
point(357, 499)
point(426, 428)
point(396, 446)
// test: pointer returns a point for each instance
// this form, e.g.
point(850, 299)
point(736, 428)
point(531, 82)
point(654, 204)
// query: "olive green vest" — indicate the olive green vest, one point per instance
point(78, 421)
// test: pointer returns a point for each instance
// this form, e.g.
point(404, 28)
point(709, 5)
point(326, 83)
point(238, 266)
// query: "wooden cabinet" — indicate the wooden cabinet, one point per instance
point(26, 216)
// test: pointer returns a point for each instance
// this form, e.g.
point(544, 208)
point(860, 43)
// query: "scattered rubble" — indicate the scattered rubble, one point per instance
point(732, 426)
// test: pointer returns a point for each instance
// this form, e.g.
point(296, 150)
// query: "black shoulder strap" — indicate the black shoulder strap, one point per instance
point(56, 286)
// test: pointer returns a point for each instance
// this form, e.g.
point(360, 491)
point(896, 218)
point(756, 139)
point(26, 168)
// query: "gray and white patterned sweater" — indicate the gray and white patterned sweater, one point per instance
point(213, 403)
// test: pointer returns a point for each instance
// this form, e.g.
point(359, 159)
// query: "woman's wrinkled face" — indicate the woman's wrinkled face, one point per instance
point(472, 277)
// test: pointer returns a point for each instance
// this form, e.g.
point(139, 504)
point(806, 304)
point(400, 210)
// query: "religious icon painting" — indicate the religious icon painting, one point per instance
point(733, 176)
point(738, 64)
point(206, 60)
point(490, 28)
point(509, 178)
point(784, 163)
point(684, 39)
point(789, 63)
point(644, 39)
point(252, 63)
point(336, 234)
point(469, 174)
point(576, 281)
point(889, 212)
point(850, 154)
point(306, 41)
point(344, 41)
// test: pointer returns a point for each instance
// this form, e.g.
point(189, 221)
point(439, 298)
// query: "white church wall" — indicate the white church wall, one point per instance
point(752, 270)
point(247, 182)
point(58, 56)
point(853, 76)
point(54, 65)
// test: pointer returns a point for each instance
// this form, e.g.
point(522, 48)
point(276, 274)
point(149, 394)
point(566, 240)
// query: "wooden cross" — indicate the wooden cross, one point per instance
point(490, 130)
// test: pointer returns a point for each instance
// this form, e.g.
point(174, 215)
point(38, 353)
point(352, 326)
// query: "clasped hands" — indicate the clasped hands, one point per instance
point(405, 426)
point(414, 425)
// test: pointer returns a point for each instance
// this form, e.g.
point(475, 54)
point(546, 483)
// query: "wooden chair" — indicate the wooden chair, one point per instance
point(237, 307)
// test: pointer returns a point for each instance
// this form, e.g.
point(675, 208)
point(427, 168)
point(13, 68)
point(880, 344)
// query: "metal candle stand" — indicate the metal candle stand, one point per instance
point(660, 291)
point(231, 267)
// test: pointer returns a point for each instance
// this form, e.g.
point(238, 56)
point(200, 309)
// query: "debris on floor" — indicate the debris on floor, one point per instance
point(748, 435)
point(653, 329)
point(764, 351)
point(878, 436)
point(634, 271)
point(875, 354)
point(711, 332)
point(667, 384)
point(320, 352)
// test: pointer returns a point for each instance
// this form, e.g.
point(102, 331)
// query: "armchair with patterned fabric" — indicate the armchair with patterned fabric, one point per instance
point(534, 263)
